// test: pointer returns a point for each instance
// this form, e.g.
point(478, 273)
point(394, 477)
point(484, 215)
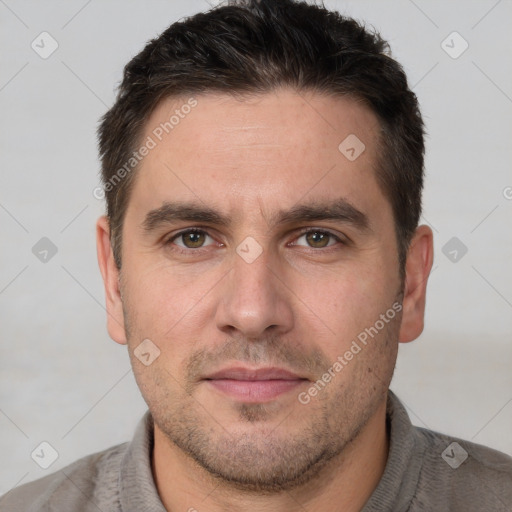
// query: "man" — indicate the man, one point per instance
point(261, 254)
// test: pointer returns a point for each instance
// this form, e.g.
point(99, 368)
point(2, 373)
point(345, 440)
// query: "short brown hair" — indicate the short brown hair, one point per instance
point(256, 46)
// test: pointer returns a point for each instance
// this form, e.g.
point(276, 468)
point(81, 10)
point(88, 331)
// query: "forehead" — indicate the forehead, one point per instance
point(271, 149)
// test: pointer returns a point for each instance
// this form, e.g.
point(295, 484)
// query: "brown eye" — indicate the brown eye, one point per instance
point(193, 238)
point(190, 239)
point(318, 239)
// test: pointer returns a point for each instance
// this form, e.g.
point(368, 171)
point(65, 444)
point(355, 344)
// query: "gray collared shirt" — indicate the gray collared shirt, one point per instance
point(425, 471)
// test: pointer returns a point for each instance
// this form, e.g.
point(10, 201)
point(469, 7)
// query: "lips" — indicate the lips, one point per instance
point(254, 385)
point(240, 373)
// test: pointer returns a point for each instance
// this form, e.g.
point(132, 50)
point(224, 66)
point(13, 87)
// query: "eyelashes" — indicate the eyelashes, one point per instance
point(199, 236)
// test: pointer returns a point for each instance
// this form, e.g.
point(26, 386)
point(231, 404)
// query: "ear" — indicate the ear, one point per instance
point(419, 261)
point(110, 273)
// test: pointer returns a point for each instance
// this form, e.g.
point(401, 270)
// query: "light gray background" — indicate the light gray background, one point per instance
point(62, 380)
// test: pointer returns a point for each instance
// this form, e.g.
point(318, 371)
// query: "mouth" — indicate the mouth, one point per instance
point(254, 385)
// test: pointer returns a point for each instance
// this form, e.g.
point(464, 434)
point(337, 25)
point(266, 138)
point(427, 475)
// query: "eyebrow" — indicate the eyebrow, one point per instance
point(338, 210)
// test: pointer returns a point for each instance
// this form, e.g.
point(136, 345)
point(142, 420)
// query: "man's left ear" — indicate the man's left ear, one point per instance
point(420, 257)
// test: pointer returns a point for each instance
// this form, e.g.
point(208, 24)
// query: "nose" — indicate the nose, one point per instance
point(255, 300)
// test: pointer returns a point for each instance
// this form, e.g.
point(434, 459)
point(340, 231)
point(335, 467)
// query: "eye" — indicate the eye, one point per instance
point(318, 238)
point(190, 238)
point(194, 238)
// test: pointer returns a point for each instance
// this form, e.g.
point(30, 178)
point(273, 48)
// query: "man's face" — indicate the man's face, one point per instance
point(211, 302)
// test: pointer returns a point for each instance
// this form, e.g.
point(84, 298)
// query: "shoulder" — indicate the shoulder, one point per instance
point(463, 474)
point(80, 486)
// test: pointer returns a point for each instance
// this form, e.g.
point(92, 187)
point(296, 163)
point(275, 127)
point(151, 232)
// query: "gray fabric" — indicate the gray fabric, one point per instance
point(416, 478)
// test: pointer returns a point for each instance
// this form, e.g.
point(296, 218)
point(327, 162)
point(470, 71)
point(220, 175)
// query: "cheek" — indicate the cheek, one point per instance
point(352, 309)
point(166, 305)
point(346, 302)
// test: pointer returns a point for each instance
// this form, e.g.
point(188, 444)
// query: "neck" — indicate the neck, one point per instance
point(346, 483)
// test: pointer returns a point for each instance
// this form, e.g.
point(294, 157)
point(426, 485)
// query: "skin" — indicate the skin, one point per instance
point(298, 305)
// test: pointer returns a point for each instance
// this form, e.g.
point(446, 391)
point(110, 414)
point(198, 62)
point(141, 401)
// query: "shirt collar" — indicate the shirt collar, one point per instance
point(399, 481)
point(138, 491)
